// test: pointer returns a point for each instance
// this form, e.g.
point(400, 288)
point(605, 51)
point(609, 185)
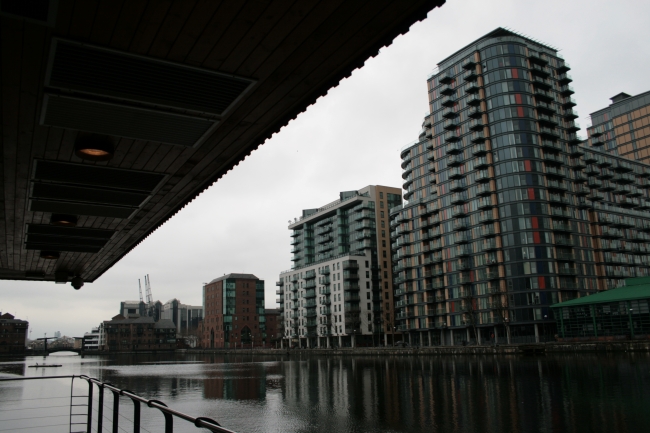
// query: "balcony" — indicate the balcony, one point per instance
point(456, 186)
point(564, 240)
point(545, 107)
point(552, 145)
point(543, 83)
point(454, 161)
point(473, 99)
point(448, 101)
point(450, 124)
point(449, 113)
point(476, 125)
point(489, 244)
point(582, 190)
point(477, 137)
point(469, 75)
point(548, 131)
point(471, 87)
point(461, 238)
point(485, 203)
point(535, 57)
point(556, 184)
point(558, 198)
point(555, 171)
point(543, 95)
point(488, 231)
point(563, 226)
point(541, 71)
point(455, 173)
point(460, 225)
point(567, 271)
point(484, 189)
point(485, 217)
point(482, 176)
point(481, 162)
point(548, 120)
point(475, 112)
point(458, 211)
point(445, 78)
point(350, 286)
point(458, 198)
point(566, 90)
point(349, 264)
point(569, 114)
point(462, 251)
point(446, 89)
point(564, 78)
point(568, 102)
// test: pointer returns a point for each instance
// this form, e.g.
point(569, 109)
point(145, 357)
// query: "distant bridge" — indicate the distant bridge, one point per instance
point(61, 349)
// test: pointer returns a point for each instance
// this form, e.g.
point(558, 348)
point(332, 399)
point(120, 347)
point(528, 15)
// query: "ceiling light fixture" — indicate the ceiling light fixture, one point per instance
point(94, 148)
point(63, 220)
point(50, 255)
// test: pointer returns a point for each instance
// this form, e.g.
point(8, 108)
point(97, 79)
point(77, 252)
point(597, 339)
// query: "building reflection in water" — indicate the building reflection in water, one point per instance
point(572, 393)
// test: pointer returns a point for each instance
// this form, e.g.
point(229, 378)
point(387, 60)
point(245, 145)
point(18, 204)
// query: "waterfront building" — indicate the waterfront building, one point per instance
point(233, 311)
point(13, 334)
point(185, 317)
point(91, 340)
point(623, 128)
point(134, 309)
point(507, 213)
point(339, 290)
point(620, 313)
point(273, 323)
point(137, 334)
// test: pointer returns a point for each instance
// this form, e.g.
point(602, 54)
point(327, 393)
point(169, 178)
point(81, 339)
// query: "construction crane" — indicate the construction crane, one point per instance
point(140, 289)
point(147, 286)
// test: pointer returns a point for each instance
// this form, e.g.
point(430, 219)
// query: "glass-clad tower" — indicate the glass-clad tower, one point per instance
point(492, 233)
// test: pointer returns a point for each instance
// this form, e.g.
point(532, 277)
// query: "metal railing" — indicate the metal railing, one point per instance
point(86, 401)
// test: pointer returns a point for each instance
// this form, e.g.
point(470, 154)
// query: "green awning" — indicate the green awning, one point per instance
point(635, 288)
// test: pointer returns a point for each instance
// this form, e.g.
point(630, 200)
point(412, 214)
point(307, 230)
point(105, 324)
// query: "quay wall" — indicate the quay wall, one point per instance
point(519, 349)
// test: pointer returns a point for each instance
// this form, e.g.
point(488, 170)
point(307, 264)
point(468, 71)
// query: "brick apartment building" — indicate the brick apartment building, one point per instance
point(273, 325)
point(138, 334)
point(13, 334)
point(234, 312)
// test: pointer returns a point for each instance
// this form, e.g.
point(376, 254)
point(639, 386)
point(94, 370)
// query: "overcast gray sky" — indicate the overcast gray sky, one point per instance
point(347, 140)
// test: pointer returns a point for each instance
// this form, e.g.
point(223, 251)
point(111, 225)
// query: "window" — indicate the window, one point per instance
point(383, 244)
point(381, 204)
point(383, 233)
point(381, 214)
point(384, 253)
point(381, 195)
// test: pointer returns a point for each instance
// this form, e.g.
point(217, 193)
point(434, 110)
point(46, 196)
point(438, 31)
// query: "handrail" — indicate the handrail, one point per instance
point(168, 413)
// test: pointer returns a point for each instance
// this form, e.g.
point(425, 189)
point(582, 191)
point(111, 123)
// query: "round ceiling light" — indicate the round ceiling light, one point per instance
point(50, 255)
point(94, 148)
point(63, 220)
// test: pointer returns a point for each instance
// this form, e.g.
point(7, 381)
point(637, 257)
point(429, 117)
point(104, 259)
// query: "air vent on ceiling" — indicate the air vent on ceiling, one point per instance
point(98, 71)
point(71, 208)
point(124, 121)
point(77, 232)
point(79, 189)
point(38, 11)
point(87, 195)
point(74, 239)
point(81, 174)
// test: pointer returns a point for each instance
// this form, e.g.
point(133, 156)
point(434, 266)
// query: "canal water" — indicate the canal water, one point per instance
point(301, 393)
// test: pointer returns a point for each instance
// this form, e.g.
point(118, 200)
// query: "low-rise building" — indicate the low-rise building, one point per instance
point(91, 340)
point(138, 334)
point(13, 334)
point(617, 314)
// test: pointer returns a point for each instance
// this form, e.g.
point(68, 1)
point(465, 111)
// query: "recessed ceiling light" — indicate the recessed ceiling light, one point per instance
point(63, 220)
point(50, 255)
point(94, 148)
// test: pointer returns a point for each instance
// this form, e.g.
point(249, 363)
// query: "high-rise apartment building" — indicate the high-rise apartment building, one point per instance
point(233, 312)
point(623, 128)
point(339, 291)
point(507, 213)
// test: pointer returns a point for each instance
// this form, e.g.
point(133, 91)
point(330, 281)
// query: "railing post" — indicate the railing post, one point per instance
point(136, 410)
point(116, 409)
point(100, 409)
point(169, 419)
point(90, 406)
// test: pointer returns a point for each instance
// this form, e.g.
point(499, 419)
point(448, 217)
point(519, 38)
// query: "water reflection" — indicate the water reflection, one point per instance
point(599, 393)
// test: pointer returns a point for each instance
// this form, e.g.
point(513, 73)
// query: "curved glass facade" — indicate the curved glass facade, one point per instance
point(490, 236)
